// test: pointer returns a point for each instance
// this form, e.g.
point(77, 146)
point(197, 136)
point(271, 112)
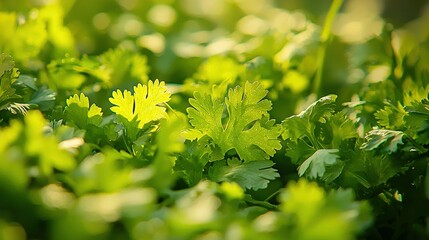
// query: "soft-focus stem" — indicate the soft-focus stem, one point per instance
point(324, 38)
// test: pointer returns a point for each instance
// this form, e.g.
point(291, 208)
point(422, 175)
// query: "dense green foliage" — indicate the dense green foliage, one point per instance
point(202, 119)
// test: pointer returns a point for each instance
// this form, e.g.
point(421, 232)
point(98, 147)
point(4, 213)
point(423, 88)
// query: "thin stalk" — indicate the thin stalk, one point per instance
point(264, 204)
point(130, 150)
point(324, 38)
point(171, 109)
point(272, 195)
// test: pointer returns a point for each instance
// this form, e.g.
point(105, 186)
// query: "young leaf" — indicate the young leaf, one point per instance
point(246, 131)
point(79, 112)
point(251, 175)
point(142, 106)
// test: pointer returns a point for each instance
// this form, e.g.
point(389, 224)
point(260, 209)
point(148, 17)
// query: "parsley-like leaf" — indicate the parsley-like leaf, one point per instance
point(303, 124)
point(251, 135)
point(143, 106)
point(44, 98)
point(391, 117)
point(369, 169)
point(190, 163)
point(417, 121)
point(323, 164)
point(79, 112)
point(251, 175)
point(387, 140)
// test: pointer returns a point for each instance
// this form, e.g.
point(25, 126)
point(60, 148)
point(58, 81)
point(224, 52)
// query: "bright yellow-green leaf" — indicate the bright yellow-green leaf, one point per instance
point(124, 104)
point(79, 112)
point(145, 105)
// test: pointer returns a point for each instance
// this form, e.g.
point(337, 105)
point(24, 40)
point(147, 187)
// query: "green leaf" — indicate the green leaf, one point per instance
point(250, 175)
point(26, 81)
point(191, 162)
point(342, 128)
point(323, 164)
point(206, 114)
point(385, 140)
point(299, 151)
point(44, 98)
point(391, 117)
point(303, 124)
point(417, 121)
point(8, 76)
point(6, 63)
point(144, 105)
point(245, 130)
point(79, 112)
point(370, 170)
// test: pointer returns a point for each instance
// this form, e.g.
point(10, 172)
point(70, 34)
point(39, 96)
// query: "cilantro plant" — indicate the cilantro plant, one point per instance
point(213, 120)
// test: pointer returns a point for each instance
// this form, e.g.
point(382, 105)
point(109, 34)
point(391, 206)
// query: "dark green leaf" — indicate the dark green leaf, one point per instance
point(385, 140)
point(251, 175)
point(323, 164)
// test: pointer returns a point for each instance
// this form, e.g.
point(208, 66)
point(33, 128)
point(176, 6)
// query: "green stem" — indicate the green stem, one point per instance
point(272, 195)
point(126, 143)
point(418, 146)
point(324, 38)
point(264, 204)
point(171, 109)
